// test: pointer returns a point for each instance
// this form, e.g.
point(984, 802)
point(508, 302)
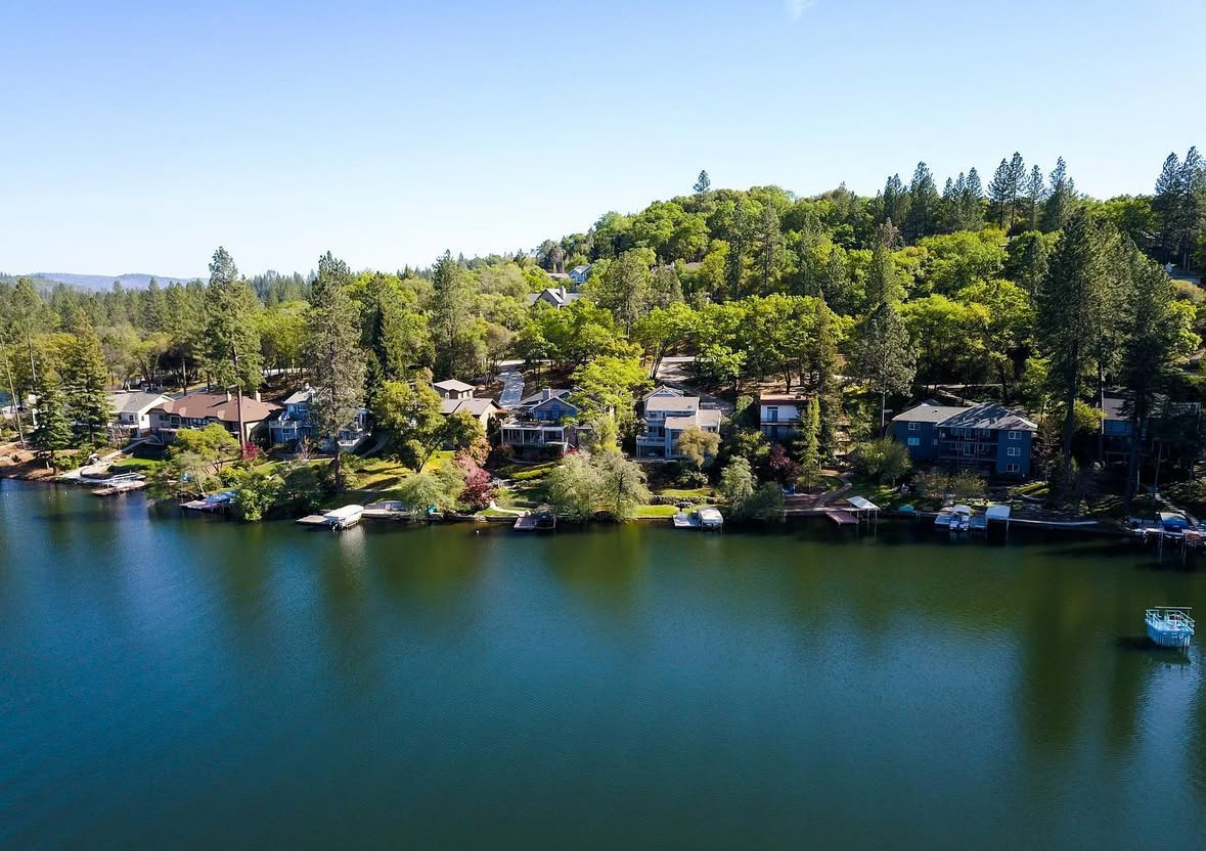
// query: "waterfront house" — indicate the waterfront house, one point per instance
point(542, 419)
point(197, 410)
point(780, 414)
point(483, 410)
point(1117, 429)
point(453, 389)
point(579, 274)
point(294, 423)
point(557, 297)
point(988, 438)
point(666, 417)
point(131, 413)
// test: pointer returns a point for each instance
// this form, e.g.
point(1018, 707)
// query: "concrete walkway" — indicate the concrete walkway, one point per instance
point(512, 392)
point(837, 493)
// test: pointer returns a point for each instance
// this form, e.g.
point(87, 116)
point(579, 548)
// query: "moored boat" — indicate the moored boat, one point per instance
point(1169, 626)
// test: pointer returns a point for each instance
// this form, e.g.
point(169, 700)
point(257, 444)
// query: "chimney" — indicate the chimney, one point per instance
point(228, 394)
point(563, 293)
point(257, 396)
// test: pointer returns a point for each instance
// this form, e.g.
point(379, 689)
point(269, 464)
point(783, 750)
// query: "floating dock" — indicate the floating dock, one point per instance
point(539, 521)
point(386, 510)
point(336, 519)
point(120, 487)
point(1169, 626)
point(840, 517)
point(214, 503)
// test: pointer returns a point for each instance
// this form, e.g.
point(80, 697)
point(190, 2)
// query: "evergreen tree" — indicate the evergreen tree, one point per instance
point(808, 444)
point(884, 356)
point(883, 282)
point(86, 379)
point(1017, 181)
point(1073, 306)
point(704, 184)
point(154, 313)
point(334, 348)
point(1192, 184)
point(738, 239)
point(52, 433)
point(894, 203)
point(768, 247)
point(1167, 204)
point(824, 359)
point(1036, 192)
point(924, 203)
point(971, 203)
point(626, 287)
point(1150, 334)
point(1000, 193)
point(231, 343)
point(1061, 198)
point(451, 320)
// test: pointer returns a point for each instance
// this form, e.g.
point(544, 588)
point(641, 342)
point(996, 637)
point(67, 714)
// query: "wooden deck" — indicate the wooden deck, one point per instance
point(123, 487)
point(841, 518)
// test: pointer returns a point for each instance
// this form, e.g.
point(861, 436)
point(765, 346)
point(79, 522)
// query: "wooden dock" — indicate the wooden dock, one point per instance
point(840, 517)
point(122, 487)
point(314, 520)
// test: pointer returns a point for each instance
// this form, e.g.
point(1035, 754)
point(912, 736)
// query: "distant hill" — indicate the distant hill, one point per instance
point(130, 280)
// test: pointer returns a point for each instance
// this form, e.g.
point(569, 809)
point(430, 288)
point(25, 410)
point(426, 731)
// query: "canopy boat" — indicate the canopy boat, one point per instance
point(710, 518)
point(955, 518)
point(1169, 626)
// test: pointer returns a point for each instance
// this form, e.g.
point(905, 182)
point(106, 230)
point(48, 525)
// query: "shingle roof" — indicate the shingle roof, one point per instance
point(544, 396)
point(220, 407)
point(132, 403)
point(701, 419)
point(989, 415)
point(477, 407)
point(299, 396)
point(672, 403)
point(453, 385)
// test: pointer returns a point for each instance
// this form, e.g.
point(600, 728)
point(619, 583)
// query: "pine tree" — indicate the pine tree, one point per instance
point(154, 312)
point(52, 433)
point(704, 184)
point(1017, 179)
point(894, 203)
point(1060, 200)
point(231, 340)
point(1167, 203)
point(1192, 184)
point(883, 283)
point(970, 215)
point(924, 203)
point(86, 379)
point(1149, 332)
point(768, 247)
point(451, 320)
point(884, 356)
point(334, 348)
point(808, 443)
point(1036, 192)
point(824, 357)
point(1073, 305)
point(1000, 192)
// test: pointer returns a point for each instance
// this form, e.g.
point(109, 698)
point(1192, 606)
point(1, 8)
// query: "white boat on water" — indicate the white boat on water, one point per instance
point(1169, 626)
point(954, 518)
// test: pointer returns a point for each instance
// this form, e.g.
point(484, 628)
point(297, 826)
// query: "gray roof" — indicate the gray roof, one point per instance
point(299, 396)
point(986, 415)
point(544, 396)
point(672, 403)
point(454, 385)
point(132, 403)
point(928, 411)
point(709, 417)
point(557, 296)
point(477, 407)
point(989, 415)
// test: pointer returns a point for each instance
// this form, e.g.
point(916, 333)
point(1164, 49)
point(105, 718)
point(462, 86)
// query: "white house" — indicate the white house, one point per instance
point(666, 418)
point(780, 414)
point(453, 389)
point(132, 412)
point(557, 297)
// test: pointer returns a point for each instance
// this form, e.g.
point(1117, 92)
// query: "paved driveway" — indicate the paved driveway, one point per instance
point(512, 392)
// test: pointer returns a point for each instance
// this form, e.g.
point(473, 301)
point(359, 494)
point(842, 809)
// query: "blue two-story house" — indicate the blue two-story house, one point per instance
point(988, 438)
point(294, 423)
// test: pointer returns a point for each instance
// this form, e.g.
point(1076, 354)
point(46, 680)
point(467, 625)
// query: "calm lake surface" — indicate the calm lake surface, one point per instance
point(196, 683)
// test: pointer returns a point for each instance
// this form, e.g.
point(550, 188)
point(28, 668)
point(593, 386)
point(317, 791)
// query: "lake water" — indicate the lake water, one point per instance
point(171, 682)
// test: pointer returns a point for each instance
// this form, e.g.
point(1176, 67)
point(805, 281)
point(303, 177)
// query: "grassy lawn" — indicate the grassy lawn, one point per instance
point(380, 473)
point(522, 497)
point(882, 495)
point(656, 511)
point(689, 494)
point(438, 459)
point(136, 465)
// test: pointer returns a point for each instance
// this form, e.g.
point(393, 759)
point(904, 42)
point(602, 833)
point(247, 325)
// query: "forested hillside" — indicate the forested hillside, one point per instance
point(1016, 281)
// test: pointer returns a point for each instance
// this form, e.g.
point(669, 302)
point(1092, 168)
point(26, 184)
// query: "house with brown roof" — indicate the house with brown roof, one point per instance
point(198, 410)
point(780, 414)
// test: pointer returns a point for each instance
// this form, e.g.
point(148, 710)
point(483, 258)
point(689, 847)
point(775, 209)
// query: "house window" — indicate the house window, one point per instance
point(1014, 452)
point(1012, 468)
point(914, 441)
point(914, 426)
point(1015, 435)
point(935, 441)
point(969, 448)
point(772, 415)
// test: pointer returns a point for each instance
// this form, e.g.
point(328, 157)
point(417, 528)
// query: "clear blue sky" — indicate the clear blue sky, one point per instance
point(139, 136)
